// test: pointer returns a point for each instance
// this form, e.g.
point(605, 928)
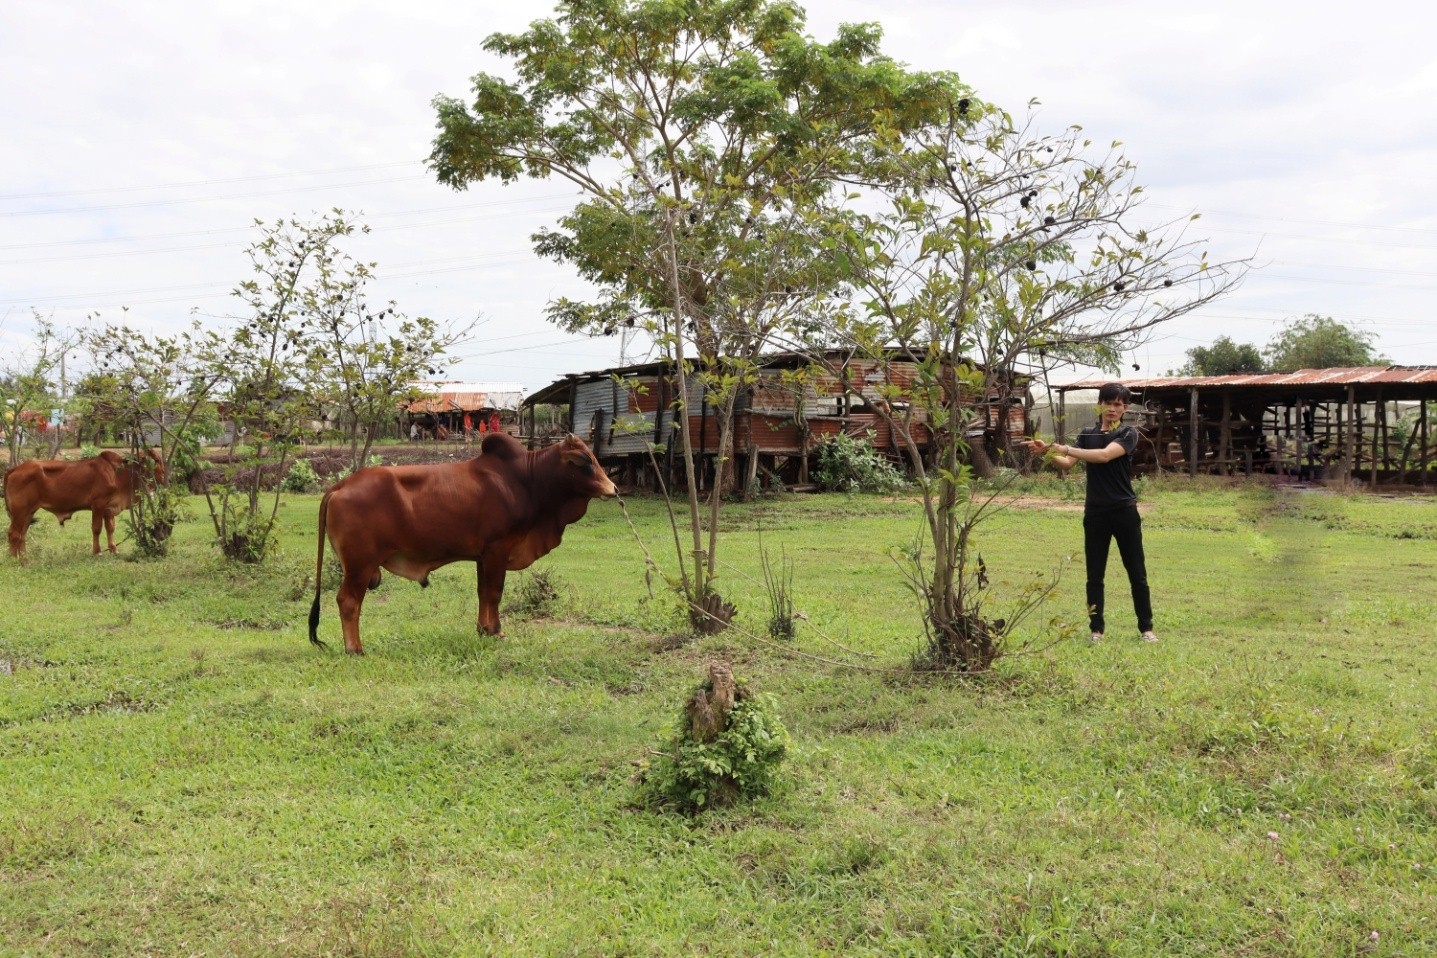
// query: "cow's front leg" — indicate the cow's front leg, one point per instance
point(491, 571)
point(97, 522)
point(109, 533)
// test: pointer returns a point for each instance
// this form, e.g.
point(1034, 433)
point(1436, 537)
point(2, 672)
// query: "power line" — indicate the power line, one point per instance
point(1288, 219)
point(210, 199)
point(186, 184)
point(1316, 239)
point(250, 228)
point(111, 254)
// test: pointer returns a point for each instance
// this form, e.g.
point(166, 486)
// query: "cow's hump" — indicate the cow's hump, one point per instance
point(503, 446)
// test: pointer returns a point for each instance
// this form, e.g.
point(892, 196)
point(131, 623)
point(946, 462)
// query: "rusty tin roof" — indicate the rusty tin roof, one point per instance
point(1338, 376)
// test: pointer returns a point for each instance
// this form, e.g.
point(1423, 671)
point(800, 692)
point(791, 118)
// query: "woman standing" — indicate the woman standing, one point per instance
point(1111, 509)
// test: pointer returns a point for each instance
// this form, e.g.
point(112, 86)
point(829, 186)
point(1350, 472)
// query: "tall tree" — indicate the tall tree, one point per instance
point(1223, 358)
point(1010, 249)
point(704, 136)
point(1320, 342)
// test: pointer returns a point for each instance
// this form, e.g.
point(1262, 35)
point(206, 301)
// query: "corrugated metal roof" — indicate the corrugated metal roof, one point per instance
point(557, 391)
point(466, 398)
point(1338, 376)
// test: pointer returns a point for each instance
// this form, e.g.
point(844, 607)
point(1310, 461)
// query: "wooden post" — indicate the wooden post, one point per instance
point(664, 399)
point(1350, 436)
point(1061, 426)
point(1225, 443)
point(1422, 425)
point(1163, 437)
point(1379, 429)
point(1192, 431)
point(596, 432)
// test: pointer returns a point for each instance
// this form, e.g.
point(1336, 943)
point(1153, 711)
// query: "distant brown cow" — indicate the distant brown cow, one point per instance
point(501, 510)
point(104, 484)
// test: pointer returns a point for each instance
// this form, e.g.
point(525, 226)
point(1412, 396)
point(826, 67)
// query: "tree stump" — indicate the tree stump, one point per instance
point(709, 707)
point(712, 615)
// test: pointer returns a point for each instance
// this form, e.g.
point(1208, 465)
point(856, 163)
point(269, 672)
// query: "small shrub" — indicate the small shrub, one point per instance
point(151, 520)
point(301, 577)
point(537, 595)
point(301, 477)
point(89, 451)
point(185, 460)
point(846, 464)
point(728, 745)
point(247, 538)
point(778, 582)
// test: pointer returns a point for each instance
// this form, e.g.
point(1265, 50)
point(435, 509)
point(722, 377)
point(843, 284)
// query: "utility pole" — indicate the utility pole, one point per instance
point(57, 417)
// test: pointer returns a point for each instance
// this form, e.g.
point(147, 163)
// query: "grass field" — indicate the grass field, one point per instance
point(181, 773)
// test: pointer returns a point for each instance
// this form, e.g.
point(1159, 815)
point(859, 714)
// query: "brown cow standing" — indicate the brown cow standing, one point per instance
point(104, 484)
point(501, 510)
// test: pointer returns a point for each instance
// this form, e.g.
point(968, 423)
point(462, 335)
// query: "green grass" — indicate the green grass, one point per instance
point(181, 773)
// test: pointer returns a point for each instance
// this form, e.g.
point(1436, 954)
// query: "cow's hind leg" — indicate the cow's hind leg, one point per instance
point(351, 600)
point(19, 525)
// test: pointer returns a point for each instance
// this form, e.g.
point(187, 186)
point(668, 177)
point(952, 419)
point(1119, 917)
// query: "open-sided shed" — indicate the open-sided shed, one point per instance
point(452, 405)
point(1367, 423)
point(794, 405)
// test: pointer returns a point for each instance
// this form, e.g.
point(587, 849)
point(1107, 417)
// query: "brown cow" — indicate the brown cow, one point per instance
point(104, 484)
point(501, 510)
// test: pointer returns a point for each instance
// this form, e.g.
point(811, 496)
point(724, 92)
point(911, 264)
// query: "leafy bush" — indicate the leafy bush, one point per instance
point(89, 451)
point(152, 518)
point(712, 762)
point(301, 477)
point(246, 537)
point(186, 458)
point(537, 594)
point(846, 464)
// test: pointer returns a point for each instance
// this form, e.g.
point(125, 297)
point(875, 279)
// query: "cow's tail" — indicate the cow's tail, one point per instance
point(318, 575)
point(5, 486)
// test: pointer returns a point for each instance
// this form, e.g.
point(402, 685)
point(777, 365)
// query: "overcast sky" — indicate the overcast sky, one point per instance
point(141, 140)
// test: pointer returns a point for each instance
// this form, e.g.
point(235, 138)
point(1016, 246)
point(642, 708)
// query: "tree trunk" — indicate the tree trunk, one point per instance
point(709, 708)
point(982, 464)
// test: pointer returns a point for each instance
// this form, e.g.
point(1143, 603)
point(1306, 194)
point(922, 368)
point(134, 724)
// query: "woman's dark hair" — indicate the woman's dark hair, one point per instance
point(1111, 391)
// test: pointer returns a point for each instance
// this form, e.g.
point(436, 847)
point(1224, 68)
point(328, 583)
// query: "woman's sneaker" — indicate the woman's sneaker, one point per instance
point(1148, 636)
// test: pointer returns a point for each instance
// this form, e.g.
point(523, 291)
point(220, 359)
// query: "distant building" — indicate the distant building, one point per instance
point(626, 411)
point(447, 405)
point(1364, 423)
